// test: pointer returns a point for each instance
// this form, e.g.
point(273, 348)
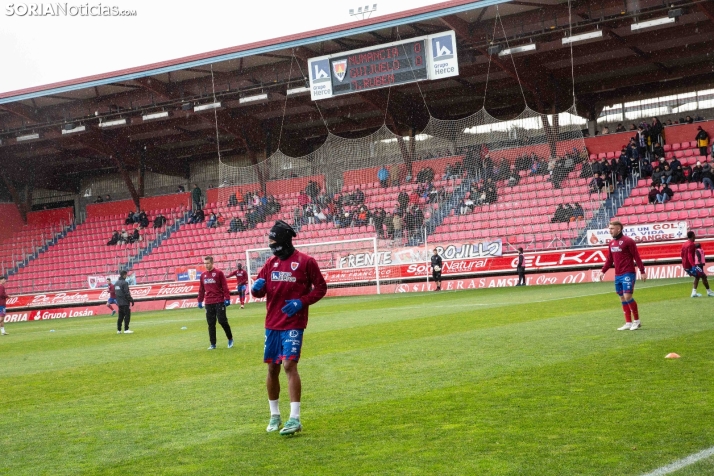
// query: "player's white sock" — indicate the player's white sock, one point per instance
point(694, 292)
point(295, 410)
point(274, 407)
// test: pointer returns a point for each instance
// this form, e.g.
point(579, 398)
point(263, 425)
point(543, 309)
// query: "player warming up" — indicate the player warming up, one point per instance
point(3, 303)
point(291, 282)
point(436, 265)
point(242, 277)
point(622, 254)
point(693, 262)
point(112, 296)
point(521, 268)
point(214, 288)
point(123, 297)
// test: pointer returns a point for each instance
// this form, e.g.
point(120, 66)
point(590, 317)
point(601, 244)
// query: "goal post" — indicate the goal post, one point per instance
point(353, 263)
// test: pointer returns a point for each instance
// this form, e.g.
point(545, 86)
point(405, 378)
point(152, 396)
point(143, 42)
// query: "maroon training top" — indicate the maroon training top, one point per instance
point(214, 287)
point(3, 296)
point(112, 291)
point(622, 253)
point(688, 255)
point(241, 275)
point(298, 277)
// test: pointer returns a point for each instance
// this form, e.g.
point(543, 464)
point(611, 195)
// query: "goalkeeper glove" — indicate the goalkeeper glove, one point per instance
point(200, 305)
point(227, 302)
point(258, 285)
point(292, 307)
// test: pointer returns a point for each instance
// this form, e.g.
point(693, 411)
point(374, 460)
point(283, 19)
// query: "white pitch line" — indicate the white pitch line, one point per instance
point(682, 463)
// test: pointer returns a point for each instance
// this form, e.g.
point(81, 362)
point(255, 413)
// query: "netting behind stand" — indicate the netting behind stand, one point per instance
point(457, 183)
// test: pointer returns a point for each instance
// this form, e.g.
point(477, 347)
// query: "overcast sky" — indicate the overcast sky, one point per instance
point(38, 50)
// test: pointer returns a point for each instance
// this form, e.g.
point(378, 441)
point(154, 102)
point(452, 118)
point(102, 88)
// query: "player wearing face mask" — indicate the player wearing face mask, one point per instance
point(291, 281)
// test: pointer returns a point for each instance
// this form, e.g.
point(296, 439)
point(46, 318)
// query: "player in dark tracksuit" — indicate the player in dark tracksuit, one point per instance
point(521, 268)
point(124, 299)
point(291, 281)
point(436, 265)
point(3, 302)
point(214, 288)
point(242, 277)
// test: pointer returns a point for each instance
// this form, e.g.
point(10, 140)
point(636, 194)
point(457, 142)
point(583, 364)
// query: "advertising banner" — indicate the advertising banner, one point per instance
point(193, 273)
point(78, 311)
point(666, 231)
point(414, 254)
point(100, 281)
point(584, 258)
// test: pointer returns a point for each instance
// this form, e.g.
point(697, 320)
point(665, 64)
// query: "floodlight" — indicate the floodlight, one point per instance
point(27, 137)
point(207, 107)
point(518, 49)
point(254, 99)
point(70, 129)
point(155, 115)
point(583, 37)
point(652, 23)
point(112, 123)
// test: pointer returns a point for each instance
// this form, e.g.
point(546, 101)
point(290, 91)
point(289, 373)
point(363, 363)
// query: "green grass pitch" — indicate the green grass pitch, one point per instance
point(518, 381)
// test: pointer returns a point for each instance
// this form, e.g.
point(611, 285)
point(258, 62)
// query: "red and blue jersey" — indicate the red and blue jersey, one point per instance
point(623, 255)
point(298, 277)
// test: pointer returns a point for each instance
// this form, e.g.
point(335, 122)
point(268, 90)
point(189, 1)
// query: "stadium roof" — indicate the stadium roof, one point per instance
point(624, 64)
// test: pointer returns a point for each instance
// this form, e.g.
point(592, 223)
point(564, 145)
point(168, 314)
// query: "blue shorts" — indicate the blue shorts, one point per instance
point(2, 310)
point(282, 345)
point(111, 301)
point(625, 283)
point(241, 288)
point(696, 272)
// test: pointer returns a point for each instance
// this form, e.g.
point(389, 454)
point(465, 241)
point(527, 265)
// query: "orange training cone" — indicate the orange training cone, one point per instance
point(671, 355)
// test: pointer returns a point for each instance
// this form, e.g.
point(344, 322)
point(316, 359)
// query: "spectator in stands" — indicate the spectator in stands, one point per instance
point(397, 224)
point(487, 167)
point(514, 178)
point(620, 128)
point(389, 226)
point(658, 150)
point(633, 127)
point(569, 212)
point(220, 221)
point(378, 218)
point(129, 219)
point(466, 205)
point(641, 140)
point(687, 173)
point(597, 184)
point(143, 220)
point(707, 177)
point(233, 225)
point(308, 215)
point(211, 223)
point(665, 194)
point(702, 139)
point(657, 175)
point(667, 175)
point(359, 197)
point(196, 197)
point(180, 189)
point(159, 221)
point(403, 200)
point(99, 199)
point(677, 172)
point(645, 168)
point(656, 130)
point(448, 174)
point(597, 168)
point(578, 212)
point(605, 131)
point(297, 216)
point(696, 175)
point(652, 195)
point(689, 120)
point(560, 215)
point(491, 191)
point(233, 200)
point(383, 176)
point(362, 216)
point(135, 237)
point(124, 237)
point(197, 217)
point(425, 175)
point(114, 239)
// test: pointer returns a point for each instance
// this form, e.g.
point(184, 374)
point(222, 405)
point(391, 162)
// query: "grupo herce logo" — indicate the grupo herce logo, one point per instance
point(442, 47)
point(320, 71)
